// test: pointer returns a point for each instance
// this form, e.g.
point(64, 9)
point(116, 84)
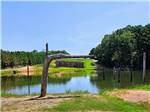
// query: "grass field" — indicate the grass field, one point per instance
point(58, 71)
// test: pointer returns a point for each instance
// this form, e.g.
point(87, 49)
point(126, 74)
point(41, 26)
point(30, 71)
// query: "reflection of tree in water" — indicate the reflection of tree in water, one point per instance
point(14, 81)
point(102, 82)
point(111, 79)
point(109, 82)
point(147, 77)
point(59, 80)
point(7, 82)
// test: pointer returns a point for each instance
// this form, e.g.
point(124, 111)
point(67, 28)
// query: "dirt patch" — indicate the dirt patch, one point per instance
point(132, 95)
point(23, 70)
point(30, 103)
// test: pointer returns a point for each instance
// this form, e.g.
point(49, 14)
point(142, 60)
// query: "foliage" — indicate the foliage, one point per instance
point(22, 58)
point(124, 47)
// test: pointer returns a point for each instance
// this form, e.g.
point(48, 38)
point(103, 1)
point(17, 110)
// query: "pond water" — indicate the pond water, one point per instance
point(93, 83)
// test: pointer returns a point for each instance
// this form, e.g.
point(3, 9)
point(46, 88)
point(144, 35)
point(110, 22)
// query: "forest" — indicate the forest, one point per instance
point(22, 58)
point(124, 47)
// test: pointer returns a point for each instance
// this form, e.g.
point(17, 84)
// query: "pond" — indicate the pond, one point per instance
point(93, 83)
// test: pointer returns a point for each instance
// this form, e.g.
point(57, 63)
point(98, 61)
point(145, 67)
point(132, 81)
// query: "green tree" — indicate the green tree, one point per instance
point(124, 47)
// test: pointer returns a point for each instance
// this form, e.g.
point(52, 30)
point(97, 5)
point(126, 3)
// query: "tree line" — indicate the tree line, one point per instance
point(124, 47)
point(22, 58)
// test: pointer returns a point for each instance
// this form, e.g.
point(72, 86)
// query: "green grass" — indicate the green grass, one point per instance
point(89, 102)
point(76, 92)
point(145, 87)
point(87, 62)
point(68, 92)
point(94, 103)
point(83, 101)
point(8, 71)
point(141, 87)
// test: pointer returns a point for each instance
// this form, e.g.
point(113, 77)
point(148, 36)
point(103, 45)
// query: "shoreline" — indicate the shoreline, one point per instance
point(116, 99)
point(36, 70)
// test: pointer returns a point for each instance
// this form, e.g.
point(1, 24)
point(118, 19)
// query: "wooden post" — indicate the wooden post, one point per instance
point(44, 78)
point(27, 70)
point(114, 70)
point(114, 76)
point(103, 74)
point(119, 75)
point(131, 77)
point(131, 69)
point(29, 83)
point(46, 49)
point(144, 65)
point(45, 74)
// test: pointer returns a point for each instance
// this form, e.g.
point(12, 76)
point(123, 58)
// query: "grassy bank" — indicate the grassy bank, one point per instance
point(76, 102)
point(103, 102)
point(145, 87)
point(82, 101)
point(56, 71)
point(68, 92)
point(141, 87)
point(89, 102)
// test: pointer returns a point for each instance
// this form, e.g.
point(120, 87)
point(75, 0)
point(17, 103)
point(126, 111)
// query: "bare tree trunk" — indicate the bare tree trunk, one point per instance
point(45, 74)
point(44, 78)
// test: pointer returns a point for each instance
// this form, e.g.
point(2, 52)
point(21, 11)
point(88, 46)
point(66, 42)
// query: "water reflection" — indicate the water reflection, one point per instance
point(104, 79)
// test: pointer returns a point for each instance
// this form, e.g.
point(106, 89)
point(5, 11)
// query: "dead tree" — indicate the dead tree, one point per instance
point(47, 61)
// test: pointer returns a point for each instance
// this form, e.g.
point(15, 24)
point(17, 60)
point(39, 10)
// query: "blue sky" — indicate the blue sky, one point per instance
point(72, 26)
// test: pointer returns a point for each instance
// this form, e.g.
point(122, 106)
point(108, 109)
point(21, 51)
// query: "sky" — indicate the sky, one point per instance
point(76, 27)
